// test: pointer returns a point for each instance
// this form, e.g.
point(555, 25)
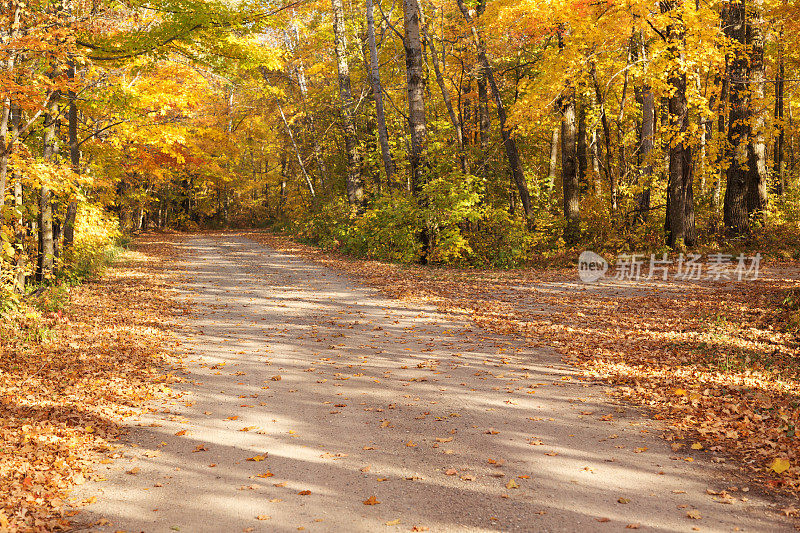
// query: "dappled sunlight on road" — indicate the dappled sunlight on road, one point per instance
point(306, 394)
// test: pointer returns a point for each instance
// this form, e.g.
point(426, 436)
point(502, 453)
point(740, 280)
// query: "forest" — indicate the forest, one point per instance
point(233, 232)
point(477, 133)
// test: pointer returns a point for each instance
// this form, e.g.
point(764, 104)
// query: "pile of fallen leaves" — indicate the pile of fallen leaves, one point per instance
point(67, 378)
point(714, 360)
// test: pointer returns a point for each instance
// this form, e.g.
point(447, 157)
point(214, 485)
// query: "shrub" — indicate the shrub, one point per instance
point(98, 242)
point(389, 230)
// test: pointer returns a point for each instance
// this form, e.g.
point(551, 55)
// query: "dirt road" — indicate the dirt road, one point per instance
point(307, 396)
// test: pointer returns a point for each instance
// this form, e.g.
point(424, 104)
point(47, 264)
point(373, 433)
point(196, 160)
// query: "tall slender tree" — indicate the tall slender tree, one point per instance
point(512, 153)
point(679, 220)
point(377, 95)
point(46, 261)
point(354, 181)
point(416, 93)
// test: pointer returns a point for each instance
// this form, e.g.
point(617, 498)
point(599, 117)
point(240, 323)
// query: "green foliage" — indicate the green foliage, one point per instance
point(52, 299)
point(500, 240)
point(451, 202)
point(98, 241)
point(389, 230)
point(461, 229)
point(8, 300)
point(327, 227)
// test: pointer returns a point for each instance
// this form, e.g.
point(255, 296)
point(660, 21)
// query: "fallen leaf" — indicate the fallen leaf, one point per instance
point(780, 465)
point(372, 500)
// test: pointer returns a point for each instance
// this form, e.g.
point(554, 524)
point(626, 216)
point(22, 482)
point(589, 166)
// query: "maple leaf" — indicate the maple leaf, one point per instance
point(372, 500)
point(780, 465)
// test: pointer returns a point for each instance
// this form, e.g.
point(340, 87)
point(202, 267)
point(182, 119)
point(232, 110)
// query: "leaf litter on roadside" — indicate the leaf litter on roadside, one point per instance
point(713, 360)
point(62, 398)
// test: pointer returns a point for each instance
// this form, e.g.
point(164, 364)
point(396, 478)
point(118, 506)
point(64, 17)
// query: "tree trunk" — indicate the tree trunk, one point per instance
point(302, 84)
point(416, 97)
point(757, 147)
point(569, 167)
point(377, 94)
point(512, 153)
point(5, 152)
point(19, 233)
point(736, 218)
point(5, 115)
point(645, 148)
point(46, 244)
point(297, 153)
point(75, 160)
point(679, 220)
point(354, 183)
point(21, 261)
point(792, 163)
point(778, 151)
point(484, 122)
point(582, 153)
point(607, 164)
point(551, 176)
point(465, 109)
point(646, 128)
point(594, 150)
point(447, 101)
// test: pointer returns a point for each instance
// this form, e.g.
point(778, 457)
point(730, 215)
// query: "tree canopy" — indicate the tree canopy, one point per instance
point(482, 133)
